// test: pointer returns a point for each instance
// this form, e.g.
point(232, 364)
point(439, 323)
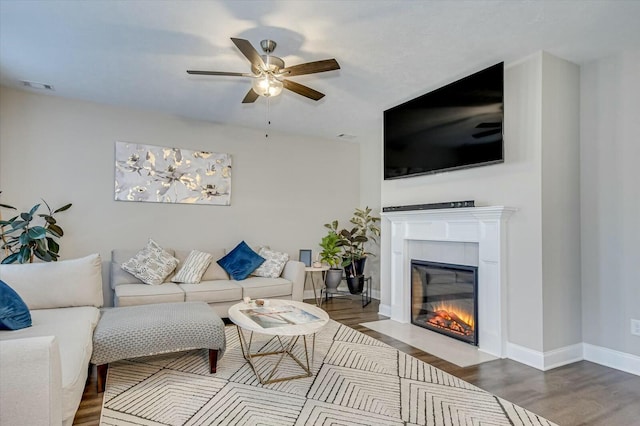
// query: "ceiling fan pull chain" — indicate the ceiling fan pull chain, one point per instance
point(266, 134)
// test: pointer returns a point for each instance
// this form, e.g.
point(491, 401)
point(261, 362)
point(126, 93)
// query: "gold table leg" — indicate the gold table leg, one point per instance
point(286, 348)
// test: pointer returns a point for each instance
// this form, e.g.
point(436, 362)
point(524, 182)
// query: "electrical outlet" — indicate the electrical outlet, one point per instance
point(635, 327)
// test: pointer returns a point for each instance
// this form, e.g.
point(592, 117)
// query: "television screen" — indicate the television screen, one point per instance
point(454, 127)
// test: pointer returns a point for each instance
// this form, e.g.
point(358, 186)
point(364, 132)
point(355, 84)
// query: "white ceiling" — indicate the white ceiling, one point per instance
point(135, 53)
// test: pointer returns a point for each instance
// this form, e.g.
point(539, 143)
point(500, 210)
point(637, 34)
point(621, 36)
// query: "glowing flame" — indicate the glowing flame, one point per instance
point(464, 315)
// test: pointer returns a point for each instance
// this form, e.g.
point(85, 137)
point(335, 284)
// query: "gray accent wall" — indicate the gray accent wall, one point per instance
point(560, 196)
point(284, 187)
point(610, 201)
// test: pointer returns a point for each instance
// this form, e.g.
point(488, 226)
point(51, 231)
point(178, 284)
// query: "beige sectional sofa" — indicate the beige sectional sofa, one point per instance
point(43, 368)
point(216, 288)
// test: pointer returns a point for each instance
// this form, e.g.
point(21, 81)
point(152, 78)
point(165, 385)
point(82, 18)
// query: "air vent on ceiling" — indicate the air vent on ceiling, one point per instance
point(36, 85)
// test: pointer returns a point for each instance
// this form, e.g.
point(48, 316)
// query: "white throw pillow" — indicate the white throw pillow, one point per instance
point(193, 267)
point(151, 265)
point(273, 264)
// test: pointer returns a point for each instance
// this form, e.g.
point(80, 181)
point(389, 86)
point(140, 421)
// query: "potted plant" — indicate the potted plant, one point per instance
point(330, 255)
point(22, 240)
point(353, 243)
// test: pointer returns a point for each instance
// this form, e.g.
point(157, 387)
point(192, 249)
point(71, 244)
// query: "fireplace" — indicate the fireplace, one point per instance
point(444, 299)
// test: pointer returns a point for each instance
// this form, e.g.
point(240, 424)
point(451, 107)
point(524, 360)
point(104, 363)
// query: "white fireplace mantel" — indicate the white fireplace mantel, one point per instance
point(483, 225)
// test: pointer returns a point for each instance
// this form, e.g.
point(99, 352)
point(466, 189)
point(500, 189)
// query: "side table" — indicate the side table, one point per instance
point(365, 295)
point(309, 270)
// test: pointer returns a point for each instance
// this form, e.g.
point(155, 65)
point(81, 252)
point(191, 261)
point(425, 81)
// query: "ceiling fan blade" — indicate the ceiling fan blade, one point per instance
point(311, 67)
point(302, 90)
point(250, 52)
point(231, 74)
point(250, 97)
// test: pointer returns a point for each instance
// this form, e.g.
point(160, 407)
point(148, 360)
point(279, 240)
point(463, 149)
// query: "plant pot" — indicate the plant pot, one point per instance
point(359, 267)
point(355, 284)
point(332, 279)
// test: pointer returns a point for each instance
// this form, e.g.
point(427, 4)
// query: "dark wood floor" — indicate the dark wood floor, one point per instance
point(582, 393)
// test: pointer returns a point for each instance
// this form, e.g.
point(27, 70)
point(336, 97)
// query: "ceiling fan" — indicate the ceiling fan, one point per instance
point(269, 73)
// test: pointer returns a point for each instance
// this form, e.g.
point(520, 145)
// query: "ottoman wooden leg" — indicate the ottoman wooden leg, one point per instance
point(213, 360)
point(102, 376)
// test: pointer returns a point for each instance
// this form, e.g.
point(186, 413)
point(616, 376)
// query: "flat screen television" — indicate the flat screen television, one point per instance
point(454, 127)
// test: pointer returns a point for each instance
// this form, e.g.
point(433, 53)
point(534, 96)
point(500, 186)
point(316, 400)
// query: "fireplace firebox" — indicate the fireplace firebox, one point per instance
point(444, 299)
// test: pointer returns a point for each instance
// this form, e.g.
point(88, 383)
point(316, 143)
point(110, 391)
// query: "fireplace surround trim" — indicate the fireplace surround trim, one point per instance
point(483, 225)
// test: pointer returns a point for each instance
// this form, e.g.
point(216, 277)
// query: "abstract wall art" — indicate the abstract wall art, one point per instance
point(171, 175)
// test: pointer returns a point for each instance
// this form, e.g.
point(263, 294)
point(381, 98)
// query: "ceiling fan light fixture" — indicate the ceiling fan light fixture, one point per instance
point(269, 74)
point(267, 86)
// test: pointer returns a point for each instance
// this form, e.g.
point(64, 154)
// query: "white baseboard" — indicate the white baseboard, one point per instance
point(525, 356)
point(563, 356)
point(384, 310)
point(308, 294)
point(569, 354)
point(375, 294)
point(545, 360)
point(612, 358)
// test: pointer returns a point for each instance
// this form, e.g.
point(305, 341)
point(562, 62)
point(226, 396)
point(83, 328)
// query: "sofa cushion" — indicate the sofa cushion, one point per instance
point(142, 294)
point(260, 288)
point(241, 261)
point(73, 328)
point(273, 264)
point(193, 268)
point(212, 291)
point(215, 271)
point(75, 282)
point(152, 264)
point(14, 313)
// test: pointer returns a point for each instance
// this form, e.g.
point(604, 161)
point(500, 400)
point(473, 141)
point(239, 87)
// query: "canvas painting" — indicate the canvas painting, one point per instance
point(171, 175)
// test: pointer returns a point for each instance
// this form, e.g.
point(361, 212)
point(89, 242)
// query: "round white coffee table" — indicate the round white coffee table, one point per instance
point(286, 321)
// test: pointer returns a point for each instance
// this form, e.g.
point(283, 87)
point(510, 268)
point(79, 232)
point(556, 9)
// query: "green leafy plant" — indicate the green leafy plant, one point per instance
point(352, 241)
point(331, 249)
point(23, 239)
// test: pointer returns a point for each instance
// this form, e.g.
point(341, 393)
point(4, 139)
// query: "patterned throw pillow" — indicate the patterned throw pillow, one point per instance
point(151, 265)
point(241, 261)
point(193, 267)
point(273, 265)
point(14, 313)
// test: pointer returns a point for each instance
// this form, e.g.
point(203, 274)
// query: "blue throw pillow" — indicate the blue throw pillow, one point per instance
point(241, 262)
point(14, 313)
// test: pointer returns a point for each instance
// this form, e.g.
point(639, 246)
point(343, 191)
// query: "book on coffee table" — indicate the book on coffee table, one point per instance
point(279, 316)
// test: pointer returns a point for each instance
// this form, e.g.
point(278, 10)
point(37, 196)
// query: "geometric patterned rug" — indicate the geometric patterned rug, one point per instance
point(357, 380)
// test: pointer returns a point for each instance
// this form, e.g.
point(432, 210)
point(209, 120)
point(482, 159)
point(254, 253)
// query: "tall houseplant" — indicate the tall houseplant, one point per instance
point(23, 240)
point(365, 229)
point(330, 255)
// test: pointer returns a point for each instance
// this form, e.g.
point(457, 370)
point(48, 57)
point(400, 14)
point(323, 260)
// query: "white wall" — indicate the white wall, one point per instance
point(284, 188)
point(610, 201)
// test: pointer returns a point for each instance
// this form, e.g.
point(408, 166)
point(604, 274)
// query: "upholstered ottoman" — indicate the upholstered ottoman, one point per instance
point(135, 331)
